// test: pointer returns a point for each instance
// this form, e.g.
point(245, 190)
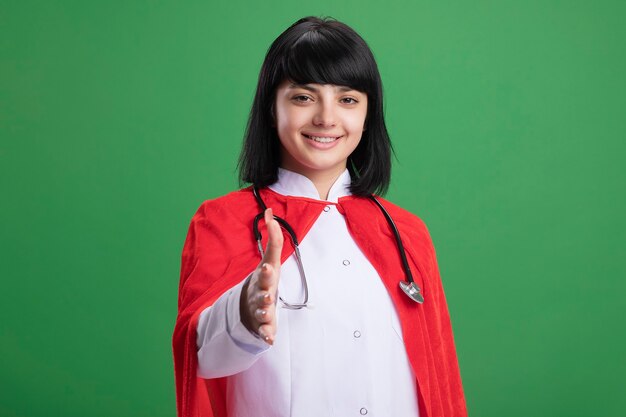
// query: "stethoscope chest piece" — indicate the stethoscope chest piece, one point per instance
point(412, 290)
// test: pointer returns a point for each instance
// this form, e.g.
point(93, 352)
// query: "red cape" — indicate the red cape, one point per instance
point(220, 251)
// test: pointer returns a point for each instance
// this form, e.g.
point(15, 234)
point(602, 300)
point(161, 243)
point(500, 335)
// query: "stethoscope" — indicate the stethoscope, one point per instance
point(410, 288)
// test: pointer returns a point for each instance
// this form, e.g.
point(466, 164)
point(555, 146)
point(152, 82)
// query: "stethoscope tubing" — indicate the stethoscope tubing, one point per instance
point(410, 288)
point(392, 224)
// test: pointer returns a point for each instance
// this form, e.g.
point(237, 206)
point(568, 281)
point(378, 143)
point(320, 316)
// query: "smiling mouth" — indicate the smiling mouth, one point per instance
point(322, 139)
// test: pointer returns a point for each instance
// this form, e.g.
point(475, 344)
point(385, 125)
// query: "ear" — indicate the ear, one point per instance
point(273, 115)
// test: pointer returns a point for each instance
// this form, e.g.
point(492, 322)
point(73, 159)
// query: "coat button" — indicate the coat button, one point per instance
point(327, 209)
point(363, 411)
point(356, 334)
point(346, 262)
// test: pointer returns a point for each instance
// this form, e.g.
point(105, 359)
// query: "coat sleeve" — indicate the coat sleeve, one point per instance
point(225, 346)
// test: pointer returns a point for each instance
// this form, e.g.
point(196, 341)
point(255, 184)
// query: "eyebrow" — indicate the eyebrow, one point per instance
point(312, 89)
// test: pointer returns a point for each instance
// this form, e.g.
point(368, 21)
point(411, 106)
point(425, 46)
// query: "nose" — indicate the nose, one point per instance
point(324, 116)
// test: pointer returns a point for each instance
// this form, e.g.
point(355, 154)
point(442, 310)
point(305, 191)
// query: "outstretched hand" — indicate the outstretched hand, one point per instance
point(258, 296)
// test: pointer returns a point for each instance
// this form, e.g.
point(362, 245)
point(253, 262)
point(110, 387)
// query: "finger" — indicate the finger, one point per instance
point(267, 333)
point(267, 278)
point(264, 315)
point(265, 299)
point(275, 239)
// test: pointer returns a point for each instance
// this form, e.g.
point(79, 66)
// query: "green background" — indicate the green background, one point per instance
point(118, 118)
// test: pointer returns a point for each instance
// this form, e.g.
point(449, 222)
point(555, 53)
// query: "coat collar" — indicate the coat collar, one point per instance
point(297, 185)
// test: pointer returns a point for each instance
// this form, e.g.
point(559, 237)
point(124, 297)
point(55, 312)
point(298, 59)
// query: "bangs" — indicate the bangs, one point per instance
point(324, 57)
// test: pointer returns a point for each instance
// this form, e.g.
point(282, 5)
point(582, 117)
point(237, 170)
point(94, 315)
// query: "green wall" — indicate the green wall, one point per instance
point(117, 119)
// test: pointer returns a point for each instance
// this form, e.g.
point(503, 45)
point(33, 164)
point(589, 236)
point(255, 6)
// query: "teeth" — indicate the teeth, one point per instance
point(322, 139)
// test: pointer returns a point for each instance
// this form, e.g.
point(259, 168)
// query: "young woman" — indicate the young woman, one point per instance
point(303, 294)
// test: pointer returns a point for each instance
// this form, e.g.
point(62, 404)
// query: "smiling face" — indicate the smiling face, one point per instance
point(319, 126)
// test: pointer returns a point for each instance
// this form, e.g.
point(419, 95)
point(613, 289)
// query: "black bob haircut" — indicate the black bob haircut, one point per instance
point(318, 51)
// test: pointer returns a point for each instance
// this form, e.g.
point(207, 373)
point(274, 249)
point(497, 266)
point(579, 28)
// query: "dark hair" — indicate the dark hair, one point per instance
point(319, 51)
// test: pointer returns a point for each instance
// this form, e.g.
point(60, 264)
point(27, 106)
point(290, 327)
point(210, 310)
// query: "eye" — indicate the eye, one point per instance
point(349, 100)
point(301, 98)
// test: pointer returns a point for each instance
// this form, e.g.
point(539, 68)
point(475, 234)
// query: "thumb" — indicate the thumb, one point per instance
point(275, 240)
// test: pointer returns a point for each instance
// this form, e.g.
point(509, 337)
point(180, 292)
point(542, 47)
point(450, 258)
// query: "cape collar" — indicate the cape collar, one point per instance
point(297, 185)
